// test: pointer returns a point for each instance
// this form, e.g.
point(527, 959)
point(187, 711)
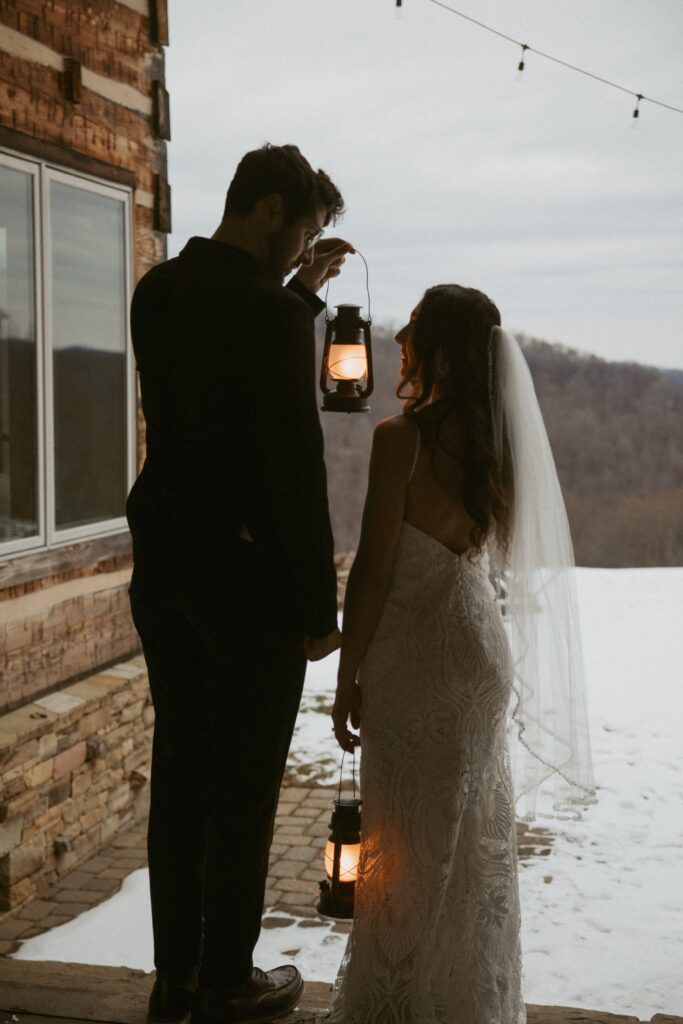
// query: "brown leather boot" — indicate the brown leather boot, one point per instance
point(265, 995)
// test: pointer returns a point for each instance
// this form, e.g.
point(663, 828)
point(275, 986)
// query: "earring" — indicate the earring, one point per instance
point(441, 366)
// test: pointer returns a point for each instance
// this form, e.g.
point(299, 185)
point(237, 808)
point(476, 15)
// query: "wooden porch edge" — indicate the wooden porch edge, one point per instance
point(42, 990)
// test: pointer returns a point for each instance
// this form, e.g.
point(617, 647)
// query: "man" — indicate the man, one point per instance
point(234, 583)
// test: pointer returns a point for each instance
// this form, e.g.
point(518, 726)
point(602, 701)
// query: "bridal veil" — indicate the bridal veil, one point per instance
point(549, 742)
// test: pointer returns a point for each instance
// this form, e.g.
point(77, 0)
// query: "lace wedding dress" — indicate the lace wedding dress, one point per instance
point(436, 932)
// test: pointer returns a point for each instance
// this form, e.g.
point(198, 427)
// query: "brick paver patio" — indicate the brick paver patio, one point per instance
point(91, 883)
point(296, 867)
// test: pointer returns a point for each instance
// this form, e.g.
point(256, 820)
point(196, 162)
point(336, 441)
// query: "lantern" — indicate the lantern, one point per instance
point(346, 374)
point(342, 852)
point(341, 859)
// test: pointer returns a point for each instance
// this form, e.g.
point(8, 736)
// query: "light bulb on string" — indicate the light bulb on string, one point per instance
point(636, 111)
point(520, 66)
point(556, 60)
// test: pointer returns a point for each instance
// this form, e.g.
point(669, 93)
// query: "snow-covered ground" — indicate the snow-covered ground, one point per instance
point(603, 914)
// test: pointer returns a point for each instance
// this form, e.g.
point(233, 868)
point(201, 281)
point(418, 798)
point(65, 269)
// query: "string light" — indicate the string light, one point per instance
point(556, 60)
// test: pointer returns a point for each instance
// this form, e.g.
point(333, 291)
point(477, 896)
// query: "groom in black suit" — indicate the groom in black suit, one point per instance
point(234, 583)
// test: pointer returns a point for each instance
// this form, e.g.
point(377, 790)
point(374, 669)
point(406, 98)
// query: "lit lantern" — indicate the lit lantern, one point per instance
point(341, 859)
point(346, 374)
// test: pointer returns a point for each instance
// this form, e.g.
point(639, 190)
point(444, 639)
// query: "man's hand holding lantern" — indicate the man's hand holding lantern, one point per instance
point(328, 257)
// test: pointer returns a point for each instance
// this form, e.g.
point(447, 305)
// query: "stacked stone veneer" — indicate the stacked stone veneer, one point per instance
point(74, 770)
point(62, 631)
point(74, 763)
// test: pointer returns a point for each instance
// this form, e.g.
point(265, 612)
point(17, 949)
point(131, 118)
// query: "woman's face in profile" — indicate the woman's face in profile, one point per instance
point(404, 338)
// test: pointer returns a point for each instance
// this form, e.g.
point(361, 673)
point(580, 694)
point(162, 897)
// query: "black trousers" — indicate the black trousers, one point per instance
point(226, 690)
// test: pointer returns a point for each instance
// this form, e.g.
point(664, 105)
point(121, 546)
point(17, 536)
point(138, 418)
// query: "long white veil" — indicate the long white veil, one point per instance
point(549, 740)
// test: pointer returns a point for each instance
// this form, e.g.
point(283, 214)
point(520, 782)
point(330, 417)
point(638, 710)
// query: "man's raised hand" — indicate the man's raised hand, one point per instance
point(328, 257)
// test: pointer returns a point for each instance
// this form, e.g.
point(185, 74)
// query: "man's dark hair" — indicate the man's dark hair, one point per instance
point(283, 171)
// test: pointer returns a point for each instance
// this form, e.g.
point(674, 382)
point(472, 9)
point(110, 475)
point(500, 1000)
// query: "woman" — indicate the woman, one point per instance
point(437, 920)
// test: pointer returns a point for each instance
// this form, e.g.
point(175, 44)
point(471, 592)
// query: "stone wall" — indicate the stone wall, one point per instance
point(74, 770)
point(61, 632)
point(74, 762)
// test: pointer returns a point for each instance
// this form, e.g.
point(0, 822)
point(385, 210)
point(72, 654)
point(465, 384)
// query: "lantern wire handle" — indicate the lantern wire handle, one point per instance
point(367, 288)
point(353, 771)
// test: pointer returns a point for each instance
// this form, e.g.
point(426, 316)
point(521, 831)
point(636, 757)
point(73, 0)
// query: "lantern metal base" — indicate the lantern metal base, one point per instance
point(339, 904)
point(333, 401)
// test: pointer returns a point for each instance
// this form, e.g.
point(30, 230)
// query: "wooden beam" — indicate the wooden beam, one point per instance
point(158, 18)
point(73, 83)
point(162, 204)
point(37, 602)
point(22, 143)
point(119, 994)
point(161, 110)
point(76, 74)
point(40, 565)
point(32, 1018)
point(80, 991)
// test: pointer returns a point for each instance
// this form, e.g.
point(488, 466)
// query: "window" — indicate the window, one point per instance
point(67, 427)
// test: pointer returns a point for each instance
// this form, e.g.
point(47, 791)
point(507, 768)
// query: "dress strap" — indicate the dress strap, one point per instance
point(417, 452)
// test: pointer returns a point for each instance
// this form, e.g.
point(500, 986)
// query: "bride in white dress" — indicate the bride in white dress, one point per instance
point(430, 671)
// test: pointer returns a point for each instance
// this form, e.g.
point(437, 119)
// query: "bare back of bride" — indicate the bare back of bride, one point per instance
point(428, 671)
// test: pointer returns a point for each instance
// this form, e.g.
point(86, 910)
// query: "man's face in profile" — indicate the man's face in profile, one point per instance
point(293, 245)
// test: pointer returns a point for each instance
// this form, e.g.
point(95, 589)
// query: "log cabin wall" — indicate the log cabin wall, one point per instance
point(82, 95)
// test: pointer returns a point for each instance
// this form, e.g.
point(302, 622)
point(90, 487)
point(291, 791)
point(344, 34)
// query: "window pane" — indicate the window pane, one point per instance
point(88, 355)
point(18, 425)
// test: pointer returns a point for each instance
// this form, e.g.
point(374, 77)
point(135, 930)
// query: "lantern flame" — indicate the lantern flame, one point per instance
point(347, 362)
point(348, 863)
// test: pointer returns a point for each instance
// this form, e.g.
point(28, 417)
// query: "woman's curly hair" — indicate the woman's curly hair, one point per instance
point(451, 347)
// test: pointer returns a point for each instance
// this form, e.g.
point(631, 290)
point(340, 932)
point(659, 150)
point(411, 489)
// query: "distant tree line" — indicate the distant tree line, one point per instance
point(616, 431)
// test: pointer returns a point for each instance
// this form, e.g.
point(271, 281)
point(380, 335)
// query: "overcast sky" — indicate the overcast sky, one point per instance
point(540, 192)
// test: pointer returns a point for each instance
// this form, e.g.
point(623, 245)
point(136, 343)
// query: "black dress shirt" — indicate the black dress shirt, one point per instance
point(226, 357)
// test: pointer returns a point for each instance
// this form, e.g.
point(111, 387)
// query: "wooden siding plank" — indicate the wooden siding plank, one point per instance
point(73, 80)
point(28, 145)
point(119, 994)
point(110, 38)
point(158, 11)
point(161, 115)
point(162, 204)
point(99, 129)
point(47, 565)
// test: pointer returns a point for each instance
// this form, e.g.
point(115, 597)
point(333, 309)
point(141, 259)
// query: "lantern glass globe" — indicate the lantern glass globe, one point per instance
point(348, 863)
point(347, 362)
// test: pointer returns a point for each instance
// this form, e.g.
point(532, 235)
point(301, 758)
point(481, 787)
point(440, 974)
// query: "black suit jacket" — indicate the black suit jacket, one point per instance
point(226, 357)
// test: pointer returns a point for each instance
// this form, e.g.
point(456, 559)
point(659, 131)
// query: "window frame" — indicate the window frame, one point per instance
point(44, 172)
